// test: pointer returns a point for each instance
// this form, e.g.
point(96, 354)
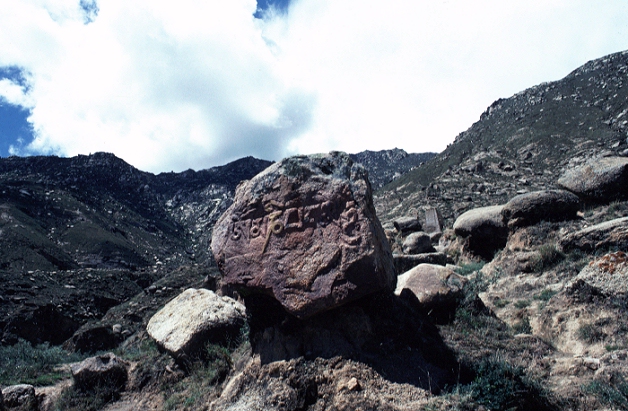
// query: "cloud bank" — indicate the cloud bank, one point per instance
point(192, 84)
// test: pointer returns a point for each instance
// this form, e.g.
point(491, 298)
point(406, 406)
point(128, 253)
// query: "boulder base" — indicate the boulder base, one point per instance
point(305, 232)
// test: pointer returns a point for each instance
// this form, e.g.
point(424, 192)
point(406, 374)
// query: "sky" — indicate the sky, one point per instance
point(169, 86)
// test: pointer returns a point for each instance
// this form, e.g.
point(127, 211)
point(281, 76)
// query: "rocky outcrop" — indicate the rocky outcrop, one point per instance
point(21, 396)
point(548, 205)
point(438, 289)
point(105, 370)
point(601, 180)
point(417, 243)
point(609, 234)
point(305, 231)
point(607, 274)
point(484, 230)
point(195, 318)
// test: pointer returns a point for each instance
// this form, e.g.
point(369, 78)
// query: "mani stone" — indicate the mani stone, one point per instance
point(304, 231)
point(600, 180)
point(433, 221)
point(194, 318)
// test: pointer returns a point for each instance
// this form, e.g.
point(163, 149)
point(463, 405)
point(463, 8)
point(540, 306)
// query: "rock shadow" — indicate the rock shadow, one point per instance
point(383, 331)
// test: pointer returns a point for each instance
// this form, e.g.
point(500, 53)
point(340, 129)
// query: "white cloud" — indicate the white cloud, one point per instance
point(168, 85)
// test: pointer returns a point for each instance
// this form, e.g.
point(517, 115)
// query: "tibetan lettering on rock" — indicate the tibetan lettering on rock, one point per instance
point(305, 231)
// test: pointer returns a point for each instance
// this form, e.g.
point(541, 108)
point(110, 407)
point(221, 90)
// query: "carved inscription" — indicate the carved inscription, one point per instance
point(273, 219)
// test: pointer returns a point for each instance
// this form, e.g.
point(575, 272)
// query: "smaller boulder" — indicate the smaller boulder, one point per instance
point(418, 243)
point(609, 234)
point(105, 370)
point(407, 224)
point(601, 180)
point(405, 262)
point(438, 289)
point(484, 229)
point(20, 396)
point(548, 205)
point(194, 318)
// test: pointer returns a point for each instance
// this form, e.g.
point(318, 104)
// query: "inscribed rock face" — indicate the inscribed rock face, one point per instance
point(305, 231)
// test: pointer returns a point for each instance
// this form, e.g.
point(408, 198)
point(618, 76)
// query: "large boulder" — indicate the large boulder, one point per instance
point(603, 236)
point(548, 205)
point(600, 180)
point(417, 243)
point(437, 288)
point(305, 232)
point(609, 274)
point(105, 370)
point(20, 396)
point(196, 317)
point(484, 230)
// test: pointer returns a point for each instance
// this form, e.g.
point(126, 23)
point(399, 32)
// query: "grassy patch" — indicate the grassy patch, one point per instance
point(24, 364)
point(194, 391)
point(613, 394)
point(522, 304)
point(545, 295)
point(73, 399)
point(548, 256)
point(522, 326)
point(590, 333)
point(469, 268)
point(500, 386)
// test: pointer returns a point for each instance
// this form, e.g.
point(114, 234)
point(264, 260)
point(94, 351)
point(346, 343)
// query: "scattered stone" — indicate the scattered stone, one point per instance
point(102, 370)
point(484, 230)
point(305, 231)
point(548, 205)
point(194, 318)
point(437, 288)
point(21, 395)
point(417, 243)
point(600, 180)
point(407, 224)
point(609, 234)
point(404, 262)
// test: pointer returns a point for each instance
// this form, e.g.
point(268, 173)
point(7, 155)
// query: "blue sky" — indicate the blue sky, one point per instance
point(193, 84)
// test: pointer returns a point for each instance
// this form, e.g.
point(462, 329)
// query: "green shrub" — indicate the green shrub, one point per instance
point(522, 326)
point(210, 368)
point(522, 304)
point(500, 386)
point(545, 295)
point(24, 364)
point(73, 399)
point(548, 256)
point(590, 333)
point(614, 394)
point(469, 268)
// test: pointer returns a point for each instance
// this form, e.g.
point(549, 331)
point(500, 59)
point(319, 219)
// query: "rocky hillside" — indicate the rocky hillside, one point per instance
point(522, 143)
point(387, 165)
point(508, 251)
